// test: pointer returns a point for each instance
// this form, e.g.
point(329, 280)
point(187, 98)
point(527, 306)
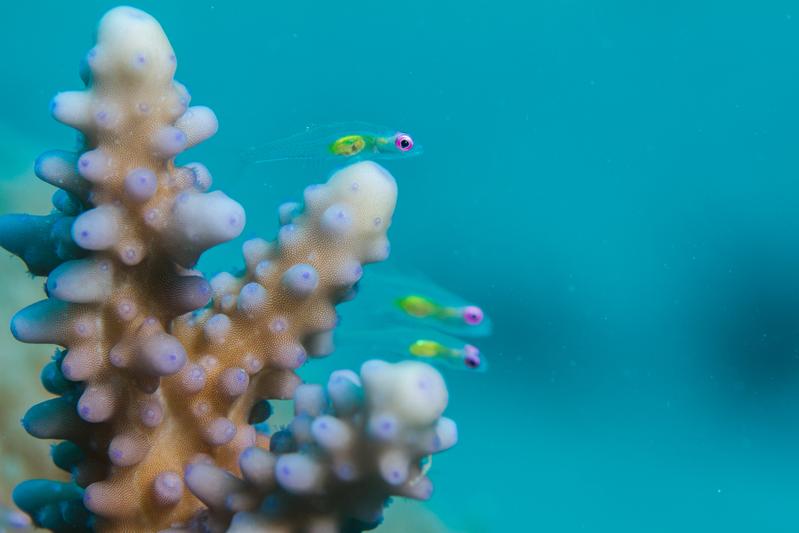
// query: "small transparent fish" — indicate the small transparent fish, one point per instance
point(425, 464)
point(468, 355)
point(400, 315)
point(423, 307)
point(390, 297)
point(347, 141)
point(400, 343)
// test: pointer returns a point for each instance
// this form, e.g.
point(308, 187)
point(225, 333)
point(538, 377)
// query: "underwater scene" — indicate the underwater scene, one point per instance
point(434, 267)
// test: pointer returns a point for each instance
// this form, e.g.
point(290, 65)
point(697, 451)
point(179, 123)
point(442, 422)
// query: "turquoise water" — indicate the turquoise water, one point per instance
point(614, 182)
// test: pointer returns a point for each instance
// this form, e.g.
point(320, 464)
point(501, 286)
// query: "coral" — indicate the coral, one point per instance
point(163, 372)
point(351, 446)
point(11, 520)
point(20, 457)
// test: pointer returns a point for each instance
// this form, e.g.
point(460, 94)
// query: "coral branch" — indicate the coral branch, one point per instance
point(243, 348)
point(139, 221)
point(164, 373)
point(351, 445)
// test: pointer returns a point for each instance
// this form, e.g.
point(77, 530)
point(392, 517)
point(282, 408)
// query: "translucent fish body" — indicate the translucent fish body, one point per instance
point(340, 141)
point(413, 299)
point(405, 343)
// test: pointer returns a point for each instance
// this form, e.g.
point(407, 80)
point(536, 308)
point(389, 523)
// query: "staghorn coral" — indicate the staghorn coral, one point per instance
point(351, 446)
point(161, 369)
point(20, 457)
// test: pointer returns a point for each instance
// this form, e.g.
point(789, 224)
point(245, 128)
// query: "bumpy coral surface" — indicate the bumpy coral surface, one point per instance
point(20, 456)
point(351, 445)
point(146, 387)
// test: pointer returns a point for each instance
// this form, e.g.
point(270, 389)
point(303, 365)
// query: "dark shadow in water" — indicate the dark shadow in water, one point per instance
point(751, 318)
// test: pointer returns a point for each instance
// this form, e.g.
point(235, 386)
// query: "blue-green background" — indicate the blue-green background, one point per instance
point(614, 181)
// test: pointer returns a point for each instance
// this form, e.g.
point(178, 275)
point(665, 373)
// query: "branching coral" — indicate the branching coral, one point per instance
point(20, 457)
point(351, 446)
point(161, 369)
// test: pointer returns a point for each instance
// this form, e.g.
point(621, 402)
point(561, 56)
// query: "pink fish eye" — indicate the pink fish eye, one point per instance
point(472, 315)
point(404, 142)
point(471, 356)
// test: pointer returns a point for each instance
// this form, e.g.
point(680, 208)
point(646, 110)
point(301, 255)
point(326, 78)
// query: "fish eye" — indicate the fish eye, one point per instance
point(404, 142)
point(472, 315)
point(471, 356)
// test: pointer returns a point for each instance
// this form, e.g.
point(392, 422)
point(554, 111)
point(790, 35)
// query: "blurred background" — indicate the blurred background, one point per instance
point(614, 182)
